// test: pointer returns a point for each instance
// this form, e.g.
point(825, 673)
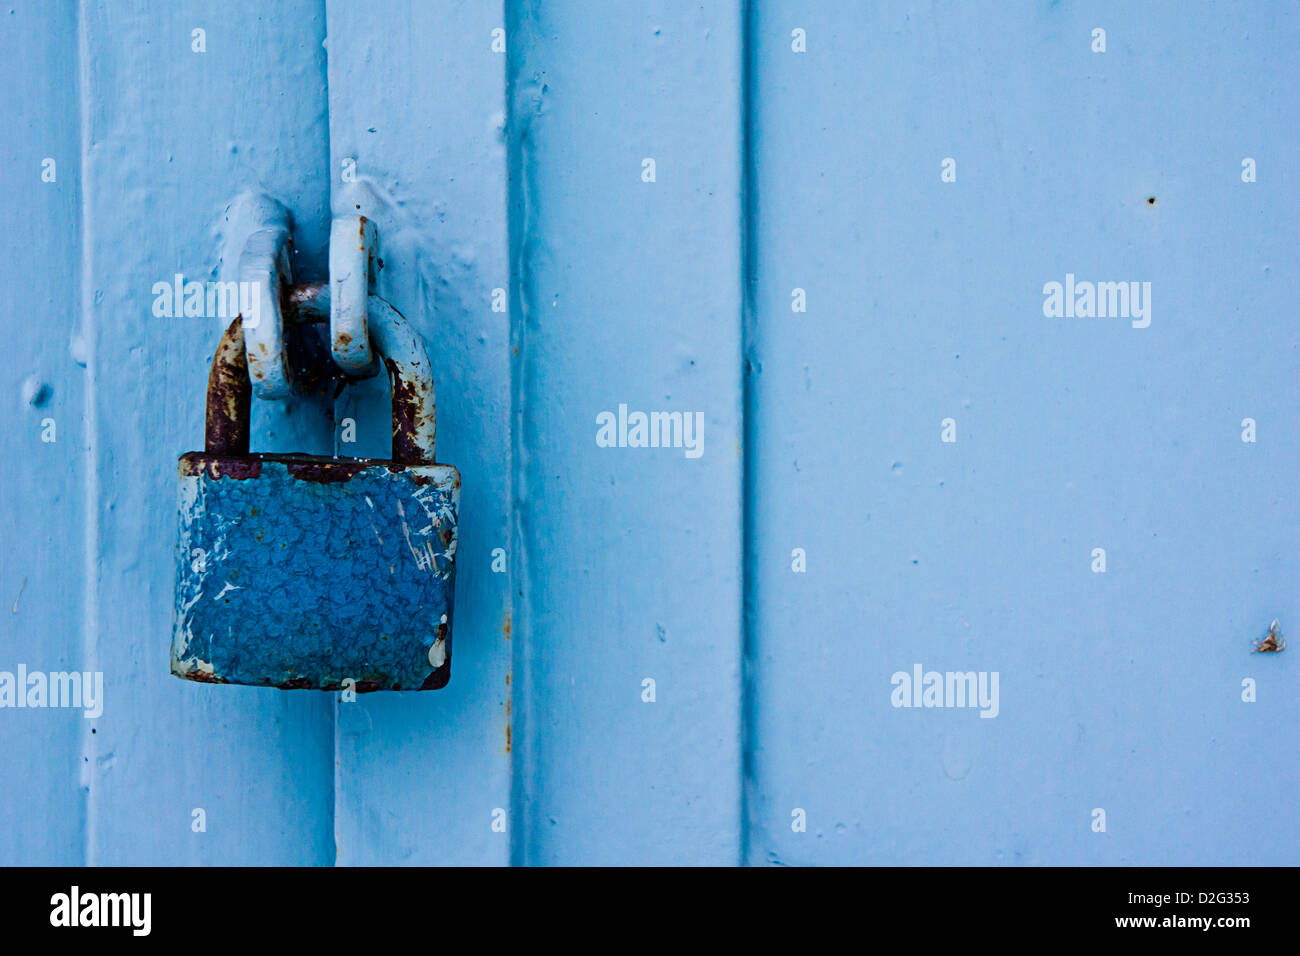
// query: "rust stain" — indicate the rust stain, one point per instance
point(506, 629)
point(197, 463)
point(509, 699)
point(230, 394)
point(407, 416)
point(325, 472)
point(239, 469)
point(204, 678)
point(439, 678)
point(1273, 643)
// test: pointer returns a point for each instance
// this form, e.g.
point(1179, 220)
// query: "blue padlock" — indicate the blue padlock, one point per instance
point(301, 571)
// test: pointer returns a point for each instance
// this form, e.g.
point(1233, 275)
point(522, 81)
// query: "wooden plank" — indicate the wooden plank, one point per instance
point(417, 113)
point(169, 136)
point(42, 801)
point(1118, 690)
point(628, 294)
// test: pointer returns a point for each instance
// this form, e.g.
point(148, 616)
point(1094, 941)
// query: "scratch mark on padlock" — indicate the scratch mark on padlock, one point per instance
point(228, 587)
point(378, 536)
point(21, 589)
point(422, 560)
point(182, 639)
point(185, 608)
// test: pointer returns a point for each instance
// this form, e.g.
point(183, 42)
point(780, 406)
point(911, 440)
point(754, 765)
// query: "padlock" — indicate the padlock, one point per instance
point(311, 572)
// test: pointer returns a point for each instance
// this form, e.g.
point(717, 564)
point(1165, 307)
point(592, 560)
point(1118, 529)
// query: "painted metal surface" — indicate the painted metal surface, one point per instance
point(43, 507)
point(804, 268)
point(264, 269)
point(1120, 691)
point(352, 280)
point(629, 293)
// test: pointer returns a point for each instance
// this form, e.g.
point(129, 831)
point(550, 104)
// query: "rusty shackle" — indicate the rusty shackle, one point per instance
point(400, 348)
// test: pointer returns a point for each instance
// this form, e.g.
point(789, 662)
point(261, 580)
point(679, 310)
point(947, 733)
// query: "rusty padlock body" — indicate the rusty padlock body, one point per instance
point(313, 572)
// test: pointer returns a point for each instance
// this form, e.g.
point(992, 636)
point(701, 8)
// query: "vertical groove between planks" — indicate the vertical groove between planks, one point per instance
point(90, 556)
point(748, 207)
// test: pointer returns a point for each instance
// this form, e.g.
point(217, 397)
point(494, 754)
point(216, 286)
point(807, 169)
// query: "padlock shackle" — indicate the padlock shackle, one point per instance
point(400, 348)
point(410, 382)
point(230, 397)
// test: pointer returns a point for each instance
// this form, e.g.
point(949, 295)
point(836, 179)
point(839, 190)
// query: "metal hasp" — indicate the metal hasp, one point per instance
point(310, 572)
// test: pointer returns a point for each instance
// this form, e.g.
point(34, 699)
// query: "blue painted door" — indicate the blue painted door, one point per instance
point(876, 427)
